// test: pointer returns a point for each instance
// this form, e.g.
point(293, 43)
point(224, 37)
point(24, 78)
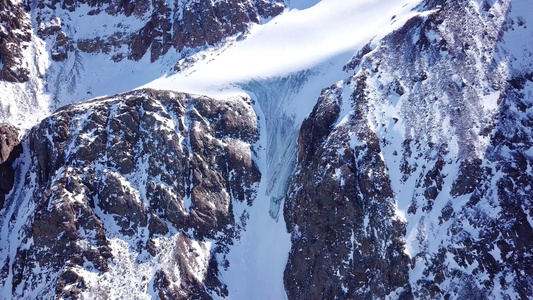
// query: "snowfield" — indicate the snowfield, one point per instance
point(297, 40)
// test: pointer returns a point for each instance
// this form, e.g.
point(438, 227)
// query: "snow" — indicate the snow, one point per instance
point(338, 175)
point(285, 45)
point(346, 104)
point(518, 40)
point(137, 274)
point(258, 259)
point(366, 221)
point(200, 251)
point(496, 253)
point(457, 80)
point(13, 221)
point(24, 104)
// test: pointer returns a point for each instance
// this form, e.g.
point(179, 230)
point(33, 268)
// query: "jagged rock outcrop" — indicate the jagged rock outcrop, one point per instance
point(138, 27)
point(15, 34)
point(143, 183)
point(347, 241)
point(414, 175)
point(10, 149)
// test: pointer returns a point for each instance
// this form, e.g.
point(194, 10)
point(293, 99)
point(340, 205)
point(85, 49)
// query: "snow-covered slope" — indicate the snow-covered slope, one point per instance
point(409, 178)
point(414, 175)
point(150, 186)
point(58, 52)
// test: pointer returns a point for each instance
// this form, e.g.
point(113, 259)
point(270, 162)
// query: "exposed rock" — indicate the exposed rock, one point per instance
point(153, 168)
point(420, 186)
point(347, 241)
point(9, 143)
point(15, 33)
point(10, 149)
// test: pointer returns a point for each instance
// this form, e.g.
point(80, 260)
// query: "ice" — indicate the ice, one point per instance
point(302, 4)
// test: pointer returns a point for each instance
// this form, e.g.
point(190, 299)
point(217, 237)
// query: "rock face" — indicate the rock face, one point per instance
point(15, 34)
point(10, 149)
point(412, 180)
point(414, 175)
point(347, 241)
point(134, 28)
point(151, 183)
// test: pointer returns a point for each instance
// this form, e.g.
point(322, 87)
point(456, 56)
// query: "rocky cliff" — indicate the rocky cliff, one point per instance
point(414, 175)
point(143, 184)
point(15, 33)
point(135, 28)
point(10, 149)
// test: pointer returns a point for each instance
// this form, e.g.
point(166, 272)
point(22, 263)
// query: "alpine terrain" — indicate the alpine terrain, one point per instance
point(266, 149)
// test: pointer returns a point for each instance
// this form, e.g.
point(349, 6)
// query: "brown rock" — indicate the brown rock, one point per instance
point(10, 149)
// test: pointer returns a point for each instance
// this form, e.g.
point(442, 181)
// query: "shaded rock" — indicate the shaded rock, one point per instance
point(15, 34)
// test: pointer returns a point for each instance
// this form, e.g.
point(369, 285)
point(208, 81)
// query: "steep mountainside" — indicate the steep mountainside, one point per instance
point(129, 29)
point(342, 149)
point(414, 175)
point(109, 183)
point(15, 33)
point(55, 52)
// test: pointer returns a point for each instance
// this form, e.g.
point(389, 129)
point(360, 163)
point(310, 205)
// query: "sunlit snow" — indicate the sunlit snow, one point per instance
point(294, 41)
